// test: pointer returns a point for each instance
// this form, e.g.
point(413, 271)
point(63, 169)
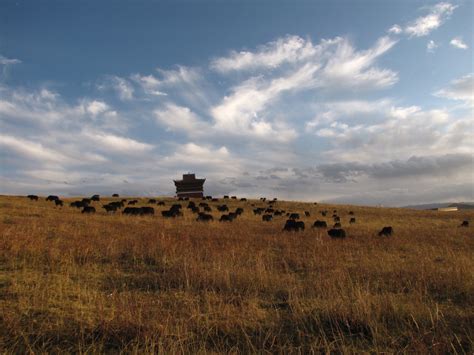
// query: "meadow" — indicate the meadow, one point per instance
point(71, 282)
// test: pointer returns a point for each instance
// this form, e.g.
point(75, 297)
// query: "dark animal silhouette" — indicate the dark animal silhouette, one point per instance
point(267, 217)
point(161, 203)
point(195, 209)
point(88, 209)
point(352, 220)
point(320, 224)
point(132, 202)
point(337, 219)
point(204, 217)
point(337, 233)
point(239, 210)
point(87, 201)
point(292, 225)
point(258, 210)
point(32, 197)
point(222, 208)
point(337, 225)
point(110, 208)
point(78, 204)
point(307, 214)
point(151, 200)
point(215, 200)
point(386, 231)
point(95, 198)
point(351, 213)
point(207, 209)
point(115, 195)
point(226, 218)
point(324, 213)
point(58, 203)
point(294, 216)
point(52, 198)
point(234, 197)
point(243, 199)
point(464, 224)
point(226, 196)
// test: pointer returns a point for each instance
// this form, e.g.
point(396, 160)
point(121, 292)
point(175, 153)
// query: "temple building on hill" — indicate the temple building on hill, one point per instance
point(189, 186)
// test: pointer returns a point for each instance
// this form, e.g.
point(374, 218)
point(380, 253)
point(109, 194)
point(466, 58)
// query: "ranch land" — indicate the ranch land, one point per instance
point(111, 282)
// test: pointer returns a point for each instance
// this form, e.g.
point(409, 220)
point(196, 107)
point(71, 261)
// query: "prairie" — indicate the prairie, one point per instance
point(71, 282)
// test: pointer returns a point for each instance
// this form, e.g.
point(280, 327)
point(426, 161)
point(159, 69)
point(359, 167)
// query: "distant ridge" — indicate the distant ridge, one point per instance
point(429, 206)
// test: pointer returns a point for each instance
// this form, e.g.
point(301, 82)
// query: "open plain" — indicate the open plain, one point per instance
point(109, 282)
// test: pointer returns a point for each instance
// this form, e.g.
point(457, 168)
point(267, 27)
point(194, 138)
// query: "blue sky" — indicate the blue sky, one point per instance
point(367, 102)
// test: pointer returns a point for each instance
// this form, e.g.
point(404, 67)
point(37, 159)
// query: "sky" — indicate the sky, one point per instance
point(363, 102)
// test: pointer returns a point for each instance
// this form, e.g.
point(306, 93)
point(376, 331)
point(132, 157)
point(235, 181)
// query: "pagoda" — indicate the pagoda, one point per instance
point(189, 186)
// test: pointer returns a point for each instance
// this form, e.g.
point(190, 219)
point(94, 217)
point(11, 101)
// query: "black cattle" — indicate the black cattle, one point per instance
point(191, 204)
point(78, 204)
point(88, 209)
point(233, 215)
point(337, 225)
point(151, 200)
point(464, 224)
point(176, 206)
point(267, 217)
point(292, 225)
point(207, 209)
point(132, 202)
point(146, 210)
point(243, 199)
point(239, 211)
point(307, 214)
point(335, 211)
point(204, 217)
point(263, 199)
point(95, 198)
point(173, 212)
point(324, 213)
point(115, 195)
point(161, 203)
point(58, 203)
point(294, 216)
point(386, 231)
point(226, 197)
point(222, 208)
point(195, 209)
point(277, 213)
point(351, 213)
point(337, 233)
point(110, 208)
point(233, 197)
point(320, 224)
point(226, 218)
point(352, 220)
point(215, 200)
point(134, 211)
point(32, 197)
point(258, 210)
point(86, 200)
point(52, 198)
point(203, 204)
point(269, 210)
point(337, 219)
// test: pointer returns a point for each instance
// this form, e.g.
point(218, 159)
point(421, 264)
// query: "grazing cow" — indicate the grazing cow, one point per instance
point(116, 204)
point(176, 206)
point(352, 220)
point(170, 213)
point(95, 198)
point(386, 231)
point(337, 225)
point(110, 208)
point(263, 199)
point(151, 200)
point(215, 200)
point(239, 210)
point(86, 200)
point(269, 210)
point(115, 195)
point(78, 204)
point(464, 224)
point(52, 198)
point(134, 211)
point(243, 199)
point(351, 213)
point(294, 216)
point(222, 208)
point(195, 209)
point(233, 215)
point(307, 214)
point(226, 196)
point(277, 213)
point(258, 210)
point(233, 197)
point(161, 203)
point(324, 213)
point(337, 233)
point(267, 217)
point(207, 209)
point(337, 219)
point(292, 225)
point(32, 197)
point(335, 211)
point(132, 202)
point(226, 218)
point(203, 204)
point(146, 210)
point(320, 224)
point(58, 203)
point(204, 217)
point(191, 205)
point(180, 199)
point(88, 209)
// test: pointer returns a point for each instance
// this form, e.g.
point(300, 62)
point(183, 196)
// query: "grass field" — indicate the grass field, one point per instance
point(107, 283)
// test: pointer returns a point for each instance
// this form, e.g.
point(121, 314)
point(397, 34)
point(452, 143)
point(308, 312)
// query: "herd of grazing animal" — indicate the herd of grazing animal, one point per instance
point(203, 212)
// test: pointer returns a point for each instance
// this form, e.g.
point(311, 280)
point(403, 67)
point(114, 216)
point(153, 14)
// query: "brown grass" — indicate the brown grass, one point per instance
point(109, 283)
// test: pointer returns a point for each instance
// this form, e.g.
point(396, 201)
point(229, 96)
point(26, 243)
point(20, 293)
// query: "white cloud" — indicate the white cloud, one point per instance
point(95, 107)
point(121, 86)
point(113, 143)
point(431, 46)
point(424, 25)
point(459, 89)
point(8, 61)
point(32, 150)
point(289, 49)
point(457, 42)
point(179, 118)
point(395, 29)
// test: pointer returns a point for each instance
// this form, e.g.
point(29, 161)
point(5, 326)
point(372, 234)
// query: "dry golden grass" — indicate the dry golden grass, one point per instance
point(107, 283)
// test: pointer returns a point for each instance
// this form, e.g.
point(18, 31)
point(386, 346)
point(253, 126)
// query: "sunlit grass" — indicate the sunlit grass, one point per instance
point(93, 283)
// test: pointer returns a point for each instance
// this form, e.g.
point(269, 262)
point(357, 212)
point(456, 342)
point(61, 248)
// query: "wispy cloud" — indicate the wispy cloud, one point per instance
point(457, 42)
point(459, 89)
point(431, 46)
point(424, 25)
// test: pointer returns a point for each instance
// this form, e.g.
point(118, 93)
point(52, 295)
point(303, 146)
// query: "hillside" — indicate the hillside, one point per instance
point(71, 282)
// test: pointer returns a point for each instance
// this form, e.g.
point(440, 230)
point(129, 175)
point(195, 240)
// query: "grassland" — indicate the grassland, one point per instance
point(109, 283)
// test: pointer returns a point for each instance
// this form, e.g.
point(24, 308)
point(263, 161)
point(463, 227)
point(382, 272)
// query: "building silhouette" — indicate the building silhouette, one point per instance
point(189, 186)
